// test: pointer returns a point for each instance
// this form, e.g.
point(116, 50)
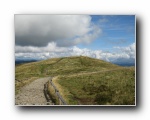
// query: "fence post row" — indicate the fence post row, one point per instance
point(49, 102)
point(61, 100)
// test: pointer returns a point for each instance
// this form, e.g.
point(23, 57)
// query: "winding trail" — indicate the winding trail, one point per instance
point(101, 71)
point(32, 94)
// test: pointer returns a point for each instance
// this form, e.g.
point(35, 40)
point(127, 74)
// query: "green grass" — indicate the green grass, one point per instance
point(51, 92)
point(57, 66)
point(83, 80)
point(107, 88)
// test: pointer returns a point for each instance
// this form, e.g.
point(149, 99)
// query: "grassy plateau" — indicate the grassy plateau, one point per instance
point(82, 80)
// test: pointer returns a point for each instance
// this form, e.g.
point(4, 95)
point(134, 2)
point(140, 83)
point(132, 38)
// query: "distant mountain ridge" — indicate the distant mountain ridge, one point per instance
point(24, 61)
point(125, 64)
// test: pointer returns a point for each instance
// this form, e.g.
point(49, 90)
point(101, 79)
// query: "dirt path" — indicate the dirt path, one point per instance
point(32, 94)
point(101, 71)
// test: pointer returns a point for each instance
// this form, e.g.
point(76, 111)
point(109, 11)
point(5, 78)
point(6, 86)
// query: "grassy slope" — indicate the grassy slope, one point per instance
point(116, 87)
point(25, 73)
point(80, 81)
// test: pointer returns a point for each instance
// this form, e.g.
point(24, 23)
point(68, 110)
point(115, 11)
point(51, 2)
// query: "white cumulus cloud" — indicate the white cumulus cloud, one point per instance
point(65, 30)
point(123, 54)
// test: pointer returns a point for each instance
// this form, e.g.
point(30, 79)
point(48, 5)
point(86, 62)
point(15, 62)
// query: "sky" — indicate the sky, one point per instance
point(106, 37)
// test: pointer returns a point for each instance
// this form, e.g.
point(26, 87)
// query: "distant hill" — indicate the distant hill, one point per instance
point(59, 66)
point(86, 80)
point(24, 61)
point(125, 64)
point(25, 73)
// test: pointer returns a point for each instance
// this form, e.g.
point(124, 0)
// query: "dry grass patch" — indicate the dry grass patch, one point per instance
point(21, 83)
point(53, 96)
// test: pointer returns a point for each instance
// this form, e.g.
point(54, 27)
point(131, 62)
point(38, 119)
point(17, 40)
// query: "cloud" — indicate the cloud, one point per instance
point(103, 20)
point(129, 50)
point(123, 54)
point(51, 47)
point(65, 30)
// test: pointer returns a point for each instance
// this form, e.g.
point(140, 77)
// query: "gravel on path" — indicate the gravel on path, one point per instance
point(32, 94)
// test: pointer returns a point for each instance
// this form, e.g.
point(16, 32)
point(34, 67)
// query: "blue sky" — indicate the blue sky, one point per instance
point(107, 37)
point(117, 30)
